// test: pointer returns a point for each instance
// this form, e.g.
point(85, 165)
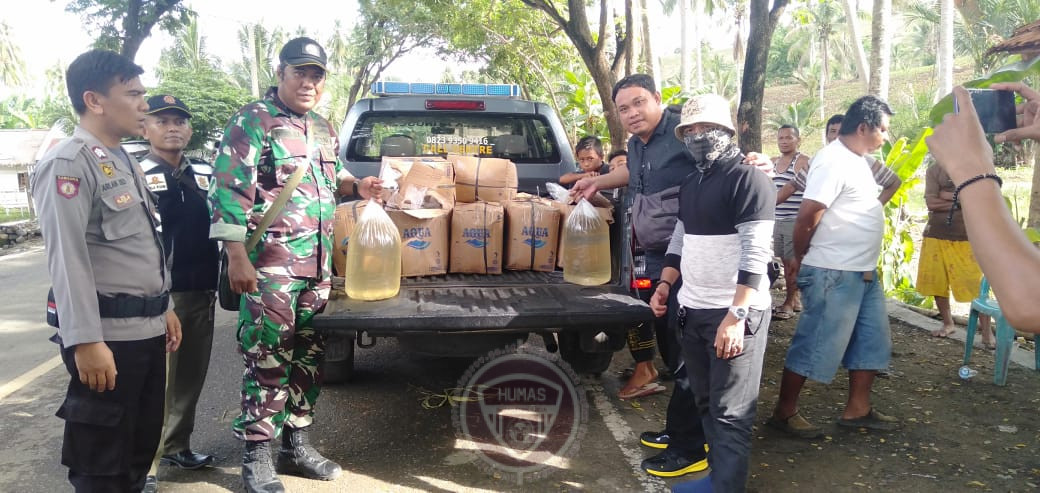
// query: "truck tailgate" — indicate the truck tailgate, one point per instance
point(464, 302)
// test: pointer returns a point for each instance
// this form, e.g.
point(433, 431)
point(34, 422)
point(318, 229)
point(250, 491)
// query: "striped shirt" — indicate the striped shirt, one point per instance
point(788, 210)
point(883, 176)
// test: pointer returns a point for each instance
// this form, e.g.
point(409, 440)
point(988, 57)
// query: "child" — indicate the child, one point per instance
point(589, 152)
point(618, 159)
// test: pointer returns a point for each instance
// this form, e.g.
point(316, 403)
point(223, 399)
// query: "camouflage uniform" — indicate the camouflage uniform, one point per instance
point(263, 144)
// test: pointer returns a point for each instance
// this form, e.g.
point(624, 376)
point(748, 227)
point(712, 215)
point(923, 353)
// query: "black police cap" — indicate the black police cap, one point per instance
point(303, 51)
point(164, 102)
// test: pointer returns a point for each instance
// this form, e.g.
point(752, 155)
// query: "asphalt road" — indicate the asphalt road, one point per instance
point(375, 426)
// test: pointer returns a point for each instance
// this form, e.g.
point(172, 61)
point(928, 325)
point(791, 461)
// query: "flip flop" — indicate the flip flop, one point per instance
point(644, 391)
point(782, 314)
point(943, 333)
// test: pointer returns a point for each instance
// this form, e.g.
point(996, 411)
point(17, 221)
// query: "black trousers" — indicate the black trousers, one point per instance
point(111, 437)
point(660, 334)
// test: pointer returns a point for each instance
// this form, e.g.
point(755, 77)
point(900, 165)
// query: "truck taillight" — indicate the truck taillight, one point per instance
point(447, 104)
point(641, 283)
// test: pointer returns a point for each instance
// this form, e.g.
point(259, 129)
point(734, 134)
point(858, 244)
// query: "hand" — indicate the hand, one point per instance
point(591, 174)
point(241, 273)
point(96, 366)
point(659, 300)
point(729, 339)
point(585, 187)
point(370, 187)
point(1028, 113)
point(760, 161)
point(173, 332)
point(958, 144)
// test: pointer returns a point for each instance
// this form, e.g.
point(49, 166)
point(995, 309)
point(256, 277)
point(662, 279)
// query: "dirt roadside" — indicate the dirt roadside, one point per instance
point(957, 435)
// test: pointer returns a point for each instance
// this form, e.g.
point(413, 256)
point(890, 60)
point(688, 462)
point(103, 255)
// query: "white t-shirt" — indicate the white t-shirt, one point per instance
point(849, 234)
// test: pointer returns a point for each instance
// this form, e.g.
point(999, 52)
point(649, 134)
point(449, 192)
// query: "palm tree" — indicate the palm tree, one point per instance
point(880, 48)
point(258, 46)
point(855, 37)
point(945, 58)
point(12, 67)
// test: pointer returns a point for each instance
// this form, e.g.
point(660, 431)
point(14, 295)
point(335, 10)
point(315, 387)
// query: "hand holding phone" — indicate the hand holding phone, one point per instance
point(1028, 113)
point(995, 109)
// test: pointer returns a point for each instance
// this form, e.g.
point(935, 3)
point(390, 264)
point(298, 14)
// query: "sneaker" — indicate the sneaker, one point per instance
point(654, 439)
point(671, 465)
point(795, 425)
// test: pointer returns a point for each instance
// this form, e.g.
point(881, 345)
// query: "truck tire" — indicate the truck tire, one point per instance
point(338, 366)
point(583, 362)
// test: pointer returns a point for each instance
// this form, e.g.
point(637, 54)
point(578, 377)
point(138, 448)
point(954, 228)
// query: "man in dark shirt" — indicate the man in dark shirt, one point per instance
point(181, 187)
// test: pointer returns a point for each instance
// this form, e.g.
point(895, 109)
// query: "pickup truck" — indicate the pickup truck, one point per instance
point(465, 314)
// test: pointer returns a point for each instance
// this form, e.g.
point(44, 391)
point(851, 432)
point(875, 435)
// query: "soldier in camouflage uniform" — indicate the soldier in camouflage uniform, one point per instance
point(286, 279)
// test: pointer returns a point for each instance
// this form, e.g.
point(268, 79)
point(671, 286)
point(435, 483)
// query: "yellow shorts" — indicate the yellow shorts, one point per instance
point(947, 265)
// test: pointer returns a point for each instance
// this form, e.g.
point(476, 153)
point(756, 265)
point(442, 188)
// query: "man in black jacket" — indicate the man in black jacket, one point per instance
point(181, 186)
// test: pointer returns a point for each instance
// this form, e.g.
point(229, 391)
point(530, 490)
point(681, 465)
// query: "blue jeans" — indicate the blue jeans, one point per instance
point(843, 321)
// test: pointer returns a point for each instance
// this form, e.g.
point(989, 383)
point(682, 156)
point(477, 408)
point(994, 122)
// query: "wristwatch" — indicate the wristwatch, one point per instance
point(741, 312)
point(356, 194)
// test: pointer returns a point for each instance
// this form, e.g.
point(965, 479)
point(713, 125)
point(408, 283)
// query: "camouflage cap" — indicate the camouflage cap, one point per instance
point(303, 51)
point(705, 108)
point(164, 102)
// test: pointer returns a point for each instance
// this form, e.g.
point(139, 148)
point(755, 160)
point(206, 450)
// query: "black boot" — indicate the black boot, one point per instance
point(298, 458)
point(257, 469)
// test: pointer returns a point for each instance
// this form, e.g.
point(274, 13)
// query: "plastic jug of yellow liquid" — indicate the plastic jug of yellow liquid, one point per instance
point(373, 270)
point(586, 255)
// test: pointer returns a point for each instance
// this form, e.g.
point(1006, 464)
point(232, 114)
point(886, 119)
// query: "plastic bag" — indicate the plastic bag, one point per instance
point(373, 270)
point(586, 246)
point(558, 192)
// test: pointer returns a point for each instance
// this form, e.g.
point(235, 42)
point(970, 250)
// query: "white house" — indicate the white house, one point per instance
point(18, 151)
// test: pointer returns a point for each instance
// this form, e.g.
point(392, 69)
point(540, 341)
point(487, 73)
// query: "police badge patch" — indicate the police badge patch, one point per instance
point(99, 152)
point(68, 186)
point(202, 182)
point(157, 182)
point(108, 169)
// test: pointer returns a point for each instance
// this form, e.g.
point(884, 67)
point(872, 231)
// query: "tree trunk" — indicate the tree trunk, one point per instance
point(649, 66)
point(137, 25)
point(749, 112)
point(1033, 221)
point(945, 49)
point(857, 42)
point(880, 49)
point(684, 47)
point(697, 51)
point(254, 61)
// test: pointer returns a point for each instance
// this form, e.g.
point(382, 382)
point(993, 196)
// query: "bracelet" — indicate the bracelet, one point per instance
point(957, 191)
point(356, 189)
point(662, 281)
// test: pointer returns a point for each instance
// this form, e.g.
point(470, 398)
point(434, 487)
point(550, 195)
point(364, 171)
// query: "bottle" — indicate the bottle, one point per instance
point(586, 243)
point(373, 270)
point(966, 372)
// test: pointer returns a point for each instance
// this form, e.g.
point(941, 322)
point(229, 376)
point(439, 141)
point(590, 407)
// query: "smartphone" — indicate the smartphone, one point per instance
point(996, 109)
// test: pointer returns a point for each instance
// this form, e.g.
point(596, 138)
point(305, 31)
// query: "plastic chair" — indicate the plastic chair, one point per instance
point(1005, 335)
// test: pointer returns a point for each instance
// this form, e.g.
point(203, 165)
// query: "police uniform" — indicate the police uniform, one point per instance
point(181, 196)
point(110, 284)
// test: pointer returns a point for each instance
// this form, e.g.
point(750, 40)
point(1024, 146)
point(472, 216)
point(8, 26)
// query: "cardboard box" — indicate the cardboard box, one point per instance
point(422, 183)
point(477, 235)
point(487, 179)
point(424, 240)
point(533, 232)
point(606, 213)
point(347, 215)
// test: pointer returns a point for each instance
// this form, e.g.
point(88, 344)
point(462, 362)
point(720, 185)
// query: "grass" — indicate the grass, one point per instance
point(13, 215)
point(1017, 185)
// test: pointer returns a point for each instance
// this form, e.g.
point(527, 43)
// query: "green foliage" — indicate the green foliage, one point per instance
point(210, 95)
point(911, 109)
point(12, 67)
point(780, 69)
point(897, 244)
point(24, 112)
point(582, 110)
point(1013, 72)
point(803, 115)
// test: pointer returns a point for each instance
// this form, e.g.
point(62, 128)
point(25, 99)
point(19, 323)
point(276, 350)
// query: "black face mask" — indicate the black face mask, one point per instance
point(710, 146)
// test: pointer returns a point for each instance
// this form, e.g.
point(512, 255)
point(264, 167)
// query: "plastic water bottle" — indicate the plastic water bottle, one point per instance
point(966, 372)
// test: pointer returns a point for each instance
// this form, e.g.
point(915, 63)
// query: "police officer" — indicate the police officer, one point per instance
point(109, 277)
point(286, 279)
point(180, 186)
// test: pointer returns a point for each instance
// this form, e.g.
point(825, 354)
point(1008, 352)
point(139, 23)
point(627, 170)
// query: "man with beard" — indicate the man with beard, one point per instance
point(721, 247)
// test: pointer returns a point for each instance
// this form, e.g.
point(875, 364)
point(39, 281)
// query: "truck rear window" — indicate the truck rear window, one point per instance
point(521, 138)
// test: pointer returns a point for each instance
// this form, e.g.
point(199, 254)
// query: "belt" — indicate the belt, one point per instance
point(122, 305)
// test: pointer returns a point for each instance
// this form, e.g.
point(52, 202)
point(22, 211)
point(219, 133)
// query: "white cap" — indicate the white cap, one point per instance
point(705, 108)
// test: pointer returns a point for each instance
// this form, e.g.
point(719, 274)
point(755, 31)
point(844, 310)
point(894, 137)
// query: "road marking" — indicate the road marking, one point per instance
point(27, 377)
point(20, 254)
point(623, 435)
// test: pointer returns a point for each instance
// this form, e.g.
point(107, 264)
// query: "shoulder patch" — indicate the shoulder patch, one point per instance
point(202, 168)
point(202, 181)
point(68, 148)
point(68, 186)
point(108, 169)
point(99, 152)
point(147, 165)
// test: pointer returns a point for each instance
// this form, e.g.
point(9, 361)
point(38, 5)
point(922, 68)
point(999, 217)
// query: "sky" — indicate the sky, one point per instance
point(61, 37)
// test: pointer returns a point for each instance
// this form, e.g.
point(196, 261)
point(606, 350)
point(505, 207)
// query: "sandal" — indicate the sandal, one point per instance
point(795, 425)
point(644, 391)
point(873, 420)
point(782, 314)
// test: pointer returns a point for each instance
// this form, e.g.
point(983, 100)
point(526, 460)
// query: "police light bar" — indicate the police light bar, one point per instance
point(440, 89)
